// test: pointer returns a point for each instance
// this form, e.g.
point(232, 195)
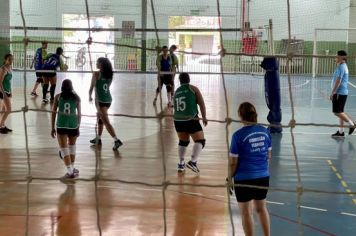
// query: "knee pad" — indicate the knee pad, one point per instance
point(72, 150)
point(100, 122)
point(183, 143)
point(202, 141)
point(64, 152)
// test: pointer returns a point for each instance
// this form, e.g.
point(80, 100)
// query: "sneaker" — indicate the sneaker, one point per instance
point(45, 101)
point(170, 104)
point(3, 131)
point(351, 130)
point(95, 141)
point(76, 171)
point(193, 166)
point(154, 101)
point(181, 167)
point(117, 144)
point(68, 176)
point(338, 135)
point(7, 129)
point(34, 94)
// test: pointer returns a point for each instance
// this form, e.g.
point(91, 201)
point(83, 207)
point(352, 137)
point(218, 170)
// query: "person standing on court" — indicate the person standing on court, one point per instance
point(175, 64)
point(101, 81)
point(250, 153)
point(187, 98)
point(5, 91)
point(67, 112)
point(339, 93)
point(164, 66)
point(40, 55)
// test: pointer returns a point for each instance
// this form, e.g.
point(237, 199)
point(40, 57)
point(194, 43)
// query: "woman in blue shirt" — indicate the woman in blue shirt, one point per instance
point(250, 152)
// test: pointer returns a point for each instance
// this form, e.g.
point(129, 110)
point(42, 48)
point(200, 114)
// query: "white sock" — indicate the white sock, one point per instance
point(69, 169)
point(115, 139)
point(341, 130)
point(351, 122)
point(72, 165)
point(169, 97)
point(196, 151)
point(98, 136)
point(181, 153)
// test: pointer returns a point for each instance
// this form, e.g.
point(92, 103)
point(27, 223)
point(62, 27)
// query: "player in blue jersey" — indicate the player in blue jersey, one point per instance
point(37, 62)
point(50, 65)
point(250, 153)
point(339, 93)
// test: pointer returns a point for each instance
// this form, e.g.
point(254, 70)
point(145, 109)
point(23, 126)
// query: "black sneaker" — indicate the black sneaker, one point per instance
point(7, 129)
point(117, 144)
point(95, 141)
point(34, 94)
point(338, 135)
point(181, 167)
point(351, 130)
point(193, 166)
point(3, 130)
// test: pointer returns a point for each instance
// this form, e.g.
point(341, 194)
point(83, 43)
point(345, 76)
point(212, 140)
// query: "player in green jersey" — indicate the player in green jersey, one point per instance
point(101, 81)
point(67, 110)
point(187, 98)
point(5, 91)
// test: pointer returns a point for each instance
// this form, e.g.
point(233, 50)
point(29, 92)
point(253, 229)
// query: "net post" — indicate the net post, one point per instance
point(270, 37)
point(314, 63)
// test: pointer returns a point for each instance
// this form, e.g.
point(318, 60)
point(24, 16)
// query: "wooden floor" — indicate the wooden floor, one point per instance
point(119, 206)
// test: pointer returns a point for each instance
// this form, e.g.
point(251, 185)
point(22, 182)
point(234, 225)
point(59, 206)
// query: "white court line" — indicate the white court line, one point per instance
point(219, 196)
point(313, 208)
point(192, 193)
point(348, 214)
point(352, 84)
point(276, 203)
point(298, 85)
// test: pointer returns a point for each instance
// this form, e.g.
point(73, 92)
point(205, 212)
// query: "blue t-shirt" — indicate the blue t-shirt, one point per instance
point(250, 145)
point(342, 72)
point(52, 62)
point(39, 56)
point(165, 64)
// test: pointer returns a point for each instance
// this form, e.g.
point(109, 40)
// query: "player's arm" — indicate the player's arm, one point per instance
point(54, 115)
point(79, 110)
point(158, 63)
point(2, 76)
point(200, 101)
point(92, 85)
point(233, 165)
point(61, 64)
point(33, 61)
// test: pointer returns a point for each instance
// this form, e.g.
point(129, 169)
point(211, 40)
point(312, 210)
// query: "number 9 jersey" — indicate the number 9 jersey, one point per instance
point(67, 113)
point(102, 87)
point(185, 103)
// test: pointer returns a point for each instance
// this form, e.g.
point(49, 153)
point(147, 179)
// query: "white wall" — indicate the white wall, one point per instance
point(305, 14)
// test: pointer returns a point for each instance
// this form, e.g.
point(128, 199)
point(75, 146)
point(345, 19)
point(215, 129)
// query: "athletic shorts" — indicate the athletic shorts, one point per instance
point(105, 104)
point(48, 74)
point(69, 132)
point(245, 194)
point(189, 126)
point(167, 80)
point(339, 102)
point(2, 96)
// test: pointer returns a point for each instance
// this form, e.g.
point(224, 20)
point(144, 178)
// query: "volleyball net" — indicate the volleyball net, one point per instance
point(213, 37)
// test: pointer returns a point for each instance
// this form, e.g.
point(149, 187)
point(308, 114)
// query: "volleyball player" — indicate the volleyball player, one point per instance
point(40, 55)
point(5, 91)
point(250, 152)
point(67, 110)
point(175, 63)
point(187, 98)
point(102, 80)
point(51, 63)
point(164, 64)
point(339, 94)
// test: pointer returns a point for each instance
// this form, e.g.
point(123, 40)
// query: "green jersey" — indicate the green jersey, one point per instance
point(102, 87)
point(185, 103)
point(67, 113)
point(6, 83)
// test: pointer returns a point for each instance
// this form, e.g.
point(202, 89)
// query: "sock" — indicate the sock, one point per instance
point(169, 97)
point(72, 165)
point(196, 151)
point(52, 89)
point(98, 136)
point(115, 139)
point(181, 153)
point(69, 169)
point(351, 122)
point(341, 130)
point(44, 90)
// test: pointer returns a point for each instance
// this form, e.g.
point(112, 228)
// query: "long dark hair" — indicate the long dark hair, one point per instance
point(247, 112)
point(68, 91)
point(106, 67)
point(7, 55)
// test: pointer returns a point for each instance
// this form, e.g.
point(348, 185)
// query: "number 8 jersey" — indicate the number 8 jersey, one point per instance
point(67, 113)
point(185, 103)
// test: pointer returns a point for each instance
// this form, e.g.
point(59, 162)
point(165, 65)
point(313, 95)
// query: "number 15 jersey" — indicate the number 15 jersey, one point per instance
point(185, 103)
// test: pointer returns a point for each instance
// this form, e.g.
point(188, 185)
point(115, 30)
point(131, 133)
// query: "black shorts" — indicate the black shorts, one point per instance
point(39, 77)
point(339, 102)
point(105, 104)
point(167, 80)
point(69, 132)
point(189, 126)
point(2, 96)
point(48, 74)
point(245, 194)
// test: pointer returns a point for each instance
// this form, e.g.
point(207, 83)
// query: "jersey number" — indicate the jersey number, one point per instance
point(105, 88)
point(66, 108)
point(180, 104)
